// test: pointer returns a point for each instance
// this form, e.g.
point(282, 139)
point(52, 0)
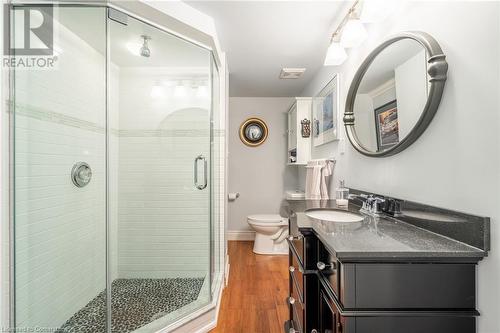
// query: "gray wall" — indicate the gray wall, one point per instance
point(455, 164)
point(259, 174)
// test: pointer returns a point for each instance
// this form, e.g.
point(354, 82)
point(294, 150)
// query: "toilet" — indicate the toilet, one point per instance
point(271, 231)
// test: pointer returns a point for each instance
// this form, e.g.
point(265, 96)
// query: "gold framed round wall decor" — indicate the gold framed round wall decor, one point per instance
point(253, 132)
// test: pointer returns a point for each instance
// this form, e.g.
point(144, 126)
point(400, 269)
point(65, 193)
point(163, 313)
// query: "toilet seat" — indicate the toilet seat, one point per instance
point(267, 219)
point(271, 231)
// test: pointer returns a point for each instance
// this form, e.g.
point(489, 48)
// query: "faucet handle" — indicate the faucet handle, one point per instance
point(378, 205)
point(392, 207)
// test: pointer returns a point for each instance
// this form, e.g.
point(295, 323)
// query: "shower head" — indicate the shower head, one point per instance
point(145, 51)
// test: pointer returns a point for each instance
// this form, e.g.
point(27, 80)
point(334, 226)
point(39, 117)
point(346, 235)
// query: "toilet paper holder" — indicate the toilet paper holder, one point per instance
point(233, 196)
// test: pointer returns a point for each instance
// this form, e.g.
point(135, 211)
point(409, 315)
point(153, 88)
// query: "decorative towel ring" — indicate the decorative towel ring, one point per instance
point(253, 132)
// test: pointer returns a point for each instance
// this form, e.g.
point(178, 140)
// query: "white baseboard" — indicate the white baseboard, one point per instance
point(226, 273)
point(240, 235)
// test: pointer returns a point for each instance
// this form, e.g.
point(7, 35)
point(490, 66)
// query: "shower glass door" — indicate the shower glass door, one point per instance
point(59, 168)
point(113, 160)
point(159, 187)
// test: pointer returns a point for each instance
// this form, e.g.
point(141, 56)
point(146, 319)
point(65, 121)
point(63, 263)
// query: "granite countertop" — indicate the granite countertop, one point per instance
point(379, 237)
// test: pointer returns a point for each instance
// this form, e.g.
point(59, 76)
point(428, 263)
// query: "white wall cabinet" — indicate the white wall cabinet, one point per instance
point(299, 148)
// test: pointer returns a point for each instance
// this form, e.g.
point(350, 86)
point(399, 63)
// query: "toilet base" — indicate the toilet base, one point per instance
point(263, 244)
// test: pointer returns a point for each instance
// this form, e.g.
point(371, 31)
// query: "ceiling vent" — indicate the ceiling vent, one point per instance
point(291, 73)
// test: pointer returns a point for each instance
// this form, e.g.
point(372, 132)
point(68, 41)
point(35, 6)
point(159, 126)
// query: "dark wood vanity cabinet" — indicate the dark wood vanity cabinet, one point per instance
point(346, 296)
point(303, 283)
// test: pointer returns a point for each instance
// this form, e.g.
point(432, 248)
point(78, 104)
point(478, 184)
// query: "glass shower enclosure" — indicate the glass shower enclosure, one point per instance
point(116, 175)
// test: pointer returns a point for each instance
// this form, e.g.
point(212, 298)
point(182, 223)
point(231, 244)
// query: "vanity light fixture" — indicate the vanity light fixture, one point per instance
point(336, 53)
point(354, 32)
point(351, 32)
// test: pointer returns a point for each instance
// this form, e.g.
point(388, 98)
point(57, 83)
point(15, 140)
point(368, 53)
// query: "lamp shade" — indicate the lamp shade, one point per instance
point(335, 55)
point(353, 34)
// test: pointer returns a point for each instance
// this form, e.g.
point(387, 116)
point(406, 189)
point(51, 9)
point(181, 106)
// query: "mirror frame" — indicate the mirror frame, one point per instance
point(261, 124)
point(437, 69)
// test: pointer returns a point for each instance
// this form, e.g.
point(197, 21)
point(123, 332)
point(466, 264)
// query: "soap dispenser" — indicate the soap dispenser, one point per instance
point(342, 195)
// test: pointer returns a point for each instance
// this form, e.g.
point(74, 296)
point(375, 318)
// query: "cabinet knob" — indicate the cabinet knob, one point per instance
point(322, 266)
point(292, 330)
point(291, 300)
point(291, 269)
point(292, 238)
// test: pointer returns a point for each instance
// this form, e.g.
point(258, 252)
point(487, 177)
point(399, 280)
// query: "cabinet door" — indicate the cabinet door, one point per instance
point(292, 128)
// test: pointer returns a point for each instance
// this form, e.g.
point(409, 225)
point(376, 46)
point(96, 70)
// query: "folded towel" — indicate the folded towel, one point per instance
point(326, 174)
point(317, 179)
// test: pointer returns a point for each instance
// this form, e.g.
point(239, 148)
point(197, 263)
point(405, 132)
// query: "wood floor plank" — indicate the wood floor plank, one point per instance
point(254, 300)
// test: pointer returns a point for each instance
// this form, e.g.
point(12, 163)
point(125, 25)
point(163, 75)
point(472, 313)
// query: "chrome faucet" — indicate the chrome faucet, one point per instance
point(375, 205)
point(371, 204)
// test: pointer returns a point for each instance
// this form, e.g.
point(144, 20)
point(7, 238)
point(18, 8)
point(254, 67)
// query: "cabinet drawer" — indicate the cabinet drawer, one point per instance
point(414, 286)
point(305, 248)
point(296, 294)
point(332, 321)
point(399, 285)
point(329, 268)
point(297, 277)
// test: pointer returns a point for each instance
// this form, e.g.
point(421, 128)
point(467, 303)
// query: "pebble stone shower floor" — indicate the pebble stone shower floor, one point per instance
point(134, 303)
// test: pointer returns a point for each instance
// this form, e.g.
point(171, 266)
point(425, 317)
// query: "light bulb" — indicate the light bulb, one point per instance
point(353, 34)
point(374, 11)
point(157, 91)
point(335, 55)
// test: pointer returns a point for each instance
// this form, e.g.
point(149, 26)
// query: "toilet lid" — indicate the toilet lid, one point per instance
point(266, 218)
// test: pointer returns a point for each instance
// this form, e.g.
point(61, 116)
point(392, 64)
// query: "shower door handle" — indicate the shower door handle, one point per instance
point(205, 172)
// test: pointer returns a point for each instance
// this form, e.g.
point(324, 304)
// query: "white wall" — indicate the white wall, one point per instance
point(411, 91)
point(259, 174)
point(455, 163)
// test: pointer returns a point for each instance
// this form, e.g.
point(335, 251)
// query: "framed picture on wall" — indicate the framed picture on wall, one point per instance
point(387, 125)
point(325, 113)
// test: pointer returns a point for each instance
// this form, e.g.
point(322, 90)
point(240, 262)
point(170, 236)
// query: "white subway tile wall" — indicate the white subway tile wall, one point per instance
point(163, 220)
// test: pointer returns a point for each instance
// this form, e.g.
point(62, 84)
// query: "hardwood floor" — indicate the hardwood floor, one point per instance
point(254, 300)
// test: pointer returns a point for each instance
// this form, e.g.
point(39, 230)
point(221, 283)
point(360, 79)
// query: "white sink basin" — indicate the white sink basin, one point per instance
point(333, 215)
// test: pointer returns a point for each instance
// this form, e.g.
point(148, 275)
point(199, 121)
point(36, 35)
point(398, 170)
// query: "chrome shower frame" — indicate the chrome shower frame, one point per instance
point(8, 86)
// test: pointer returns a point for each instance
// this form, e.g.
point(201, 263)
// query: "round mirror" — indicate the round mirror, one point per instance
point(253, 132)
point(395, 94)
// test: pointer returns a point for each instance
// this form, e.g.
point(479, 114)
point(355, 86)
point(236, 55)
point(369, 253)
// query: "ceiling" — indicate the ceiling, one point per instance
point(261, 37)
point(167, 51)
